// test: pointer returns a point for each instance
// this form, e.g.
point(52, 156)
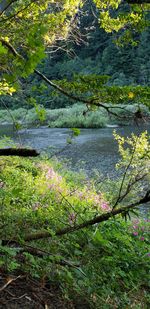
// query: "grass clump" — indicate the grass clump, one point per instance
point(75, 116)
point(78, 117)
point(57, 118)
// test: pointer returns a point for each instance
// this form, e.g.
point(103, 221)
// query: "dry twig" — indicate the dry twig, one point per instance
point(8, 282)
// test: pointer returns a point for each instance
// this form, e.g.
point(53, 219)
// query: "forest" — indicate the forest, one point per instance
point(74, 154)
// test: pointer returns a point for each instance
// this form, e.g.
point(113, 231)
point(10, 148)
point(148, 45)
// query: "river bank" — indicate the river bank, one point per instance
point(94, 152)
point(75, 116)
point(96, 265)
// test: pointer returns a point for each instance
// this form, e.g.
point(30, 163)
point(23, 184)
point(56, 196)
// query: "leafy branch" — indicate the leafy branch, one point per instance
point(98, 219)
point(120, 198)
point(16, 13)
point(88, 102)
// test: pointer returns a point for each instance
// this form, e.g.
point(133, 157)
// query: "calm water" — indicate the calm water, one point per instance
point(92, 149)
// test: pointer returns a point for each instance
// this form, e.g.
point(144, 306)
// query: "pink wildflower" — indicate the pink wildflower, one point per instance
point(80, 194)
point(105, 206)
point(51, 186)
point(50, 173)
point(135, 227)
point(136, 221)
point(135, 233)
point(142, 238)
point(72, 218)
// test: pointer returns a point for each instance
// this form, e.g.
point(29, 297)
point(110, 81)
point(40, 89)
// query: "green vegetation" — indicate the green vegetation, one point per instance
point(116, 49)
point(76, 116)
point(54, 223)
point(107, 263)
point(79, 117)
point(63, 117)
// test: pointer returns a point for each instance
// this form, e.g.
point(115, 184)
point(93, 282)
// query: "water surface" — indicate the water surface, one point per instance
point(93, 149)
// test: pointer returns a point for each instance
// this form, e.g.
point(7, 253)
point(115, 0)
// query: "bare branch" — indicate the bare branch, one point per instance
point(19, 11)
point(4, 5)
point(9, 282)
point(124, 175)
point(130, 186)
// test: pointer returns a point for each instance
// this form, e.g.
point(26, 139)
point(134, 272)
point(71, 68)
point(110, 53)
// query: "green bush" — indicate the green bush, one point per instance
point(75, 116)
point(107, 264)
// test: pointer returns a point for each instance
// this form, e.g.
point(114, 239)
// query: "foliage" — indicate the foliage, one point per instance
point(63, 117)
point(134, 152)
point(39, 23)
point(93, 90)
point(133, 169)
point(115, 266)
point(102, 262)
point(107, 262)
point(76, 115)
point(128, 65)
point(43, 23)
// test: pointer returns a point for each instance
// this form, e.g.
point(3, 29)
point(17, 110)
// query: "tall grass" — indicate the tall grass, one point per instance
point(75, 116)
point(63, 117)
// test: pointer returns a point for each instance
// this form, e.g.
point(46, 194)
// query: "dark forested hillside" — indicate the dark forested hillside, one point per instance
point(93, 52)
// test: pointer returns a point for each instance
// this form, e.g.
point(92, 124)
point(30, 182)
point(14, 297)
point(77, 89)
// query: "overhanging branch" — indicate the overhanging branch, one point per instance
point(57, 87)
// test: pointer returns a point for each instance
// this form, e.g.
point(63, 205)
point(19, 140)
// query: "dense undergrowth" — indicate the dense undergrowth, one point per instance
point(106, 264)
point(75, 116)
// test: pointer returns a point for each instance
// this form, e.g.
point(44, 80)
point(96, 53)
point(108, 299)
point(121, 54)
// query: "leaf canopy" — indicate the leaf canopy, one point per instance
point(29, 27)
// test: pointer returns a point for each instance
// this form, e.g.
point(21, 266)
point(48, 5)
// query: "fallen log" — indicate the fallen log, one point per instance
point(21, 152)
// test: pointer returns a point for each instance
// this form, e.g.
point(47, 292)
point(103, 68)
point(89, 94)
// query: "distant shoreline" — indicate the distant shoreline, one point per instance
point(72, 117)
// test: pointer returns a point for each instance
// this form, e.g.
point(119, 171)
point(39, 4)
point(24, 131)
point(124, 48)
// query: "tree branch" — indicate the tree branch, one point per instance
point(4, 5)
point(48, 81)
point(21, 152)
point(98, 219)
point(15, 14)
point(124, 175)
point(76, 98)
point(94, 101)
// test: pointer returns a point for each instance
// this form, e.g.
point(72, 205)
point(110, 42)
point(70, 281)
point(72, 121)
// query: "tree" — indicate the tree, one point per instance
point(28, 28)
point(42, 24)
